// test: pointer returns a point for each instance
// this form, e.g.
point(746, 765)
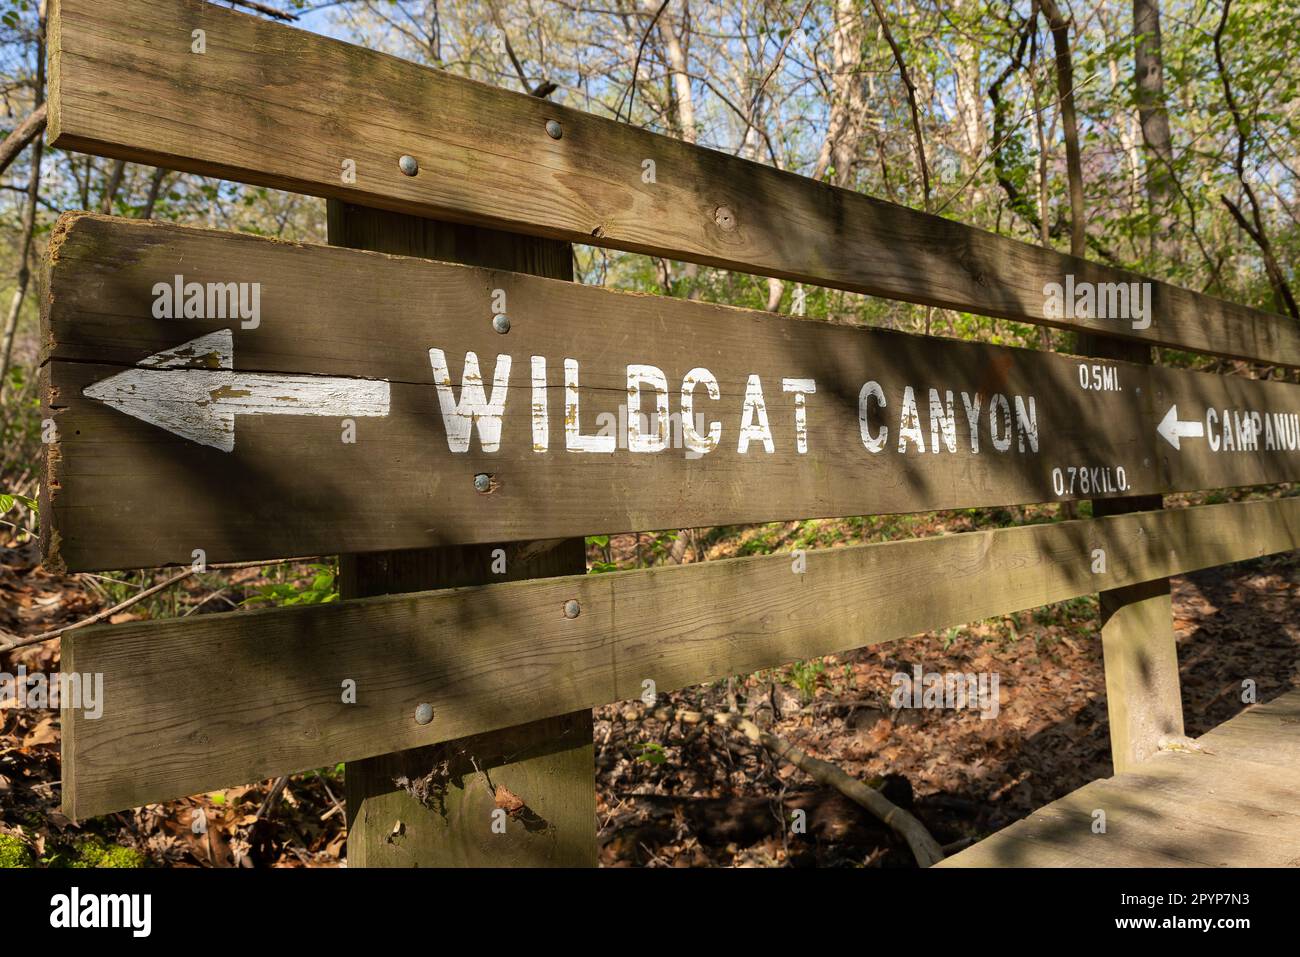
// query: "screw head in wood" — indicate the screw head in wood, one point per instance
point(501, 323)
point(553, 129)
point(572, 609)
point(408, 165)
point(423, 713)
point(482, 482)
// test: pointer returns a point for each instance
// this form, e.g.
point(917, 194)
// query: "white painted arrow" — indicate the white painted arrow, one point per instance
point(194, 391)
point(1173, 430)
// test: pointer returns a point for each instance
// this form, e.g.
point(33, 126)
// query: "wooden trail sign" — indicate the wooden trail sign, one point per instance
point(217, 397)
point(269, 104)
point(246, 398)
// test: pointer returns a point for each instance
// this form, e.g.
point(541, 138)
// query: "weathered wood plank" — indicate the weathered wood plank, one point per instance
point(549, 764)
point(1010, 850)
point(1145, 831)
point(1194, 828)
point(125, 492)
point(1143, 696)
point(1165, 774)
point(1143, 699)
point(1219, 807)
point(1256, 737)
point(204, 702)
point(281, 107)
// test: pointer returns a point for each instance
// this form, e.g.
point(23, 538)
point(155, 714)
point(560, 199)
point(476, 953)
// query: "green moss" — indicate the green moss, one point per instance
point(93, 851)
point(15, 853)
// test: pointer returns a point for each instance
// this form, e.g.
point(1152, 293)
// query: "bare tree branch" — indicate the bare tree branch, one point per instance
point(22, 135)
point(911, 100)
point(541, 90)
point(1277, 279)
point(1069, 120)
point(10, 642)
point(636, 66)
point(264, 9)
point(112, 186)
point(758, 94)
point(155, 187)
point(924, 847)
point(29, 208)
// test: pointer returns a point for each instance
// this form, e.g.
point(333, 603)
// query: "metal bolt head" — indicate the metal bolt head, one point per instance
point(725, 218)
point(482, 482)
point(553, 129)
point(572, 609)
point(408, 165)
point(501, 323)
point(423, 713)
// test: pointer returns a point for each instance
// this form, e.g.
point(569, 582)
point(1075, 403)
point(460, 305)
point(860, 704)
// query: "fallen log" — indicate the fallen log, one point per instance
point(924, 847)
point(744, 820)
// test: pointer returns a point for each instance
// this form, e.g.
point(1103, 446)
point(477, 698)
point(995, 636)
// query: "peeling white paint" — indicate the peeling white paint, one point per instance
point(653, 439)
point(474, 406)
point(801, 389)
point(574, 440)
point(753, 419)
point(193, 391)
point(541, 421)
point(691, 438)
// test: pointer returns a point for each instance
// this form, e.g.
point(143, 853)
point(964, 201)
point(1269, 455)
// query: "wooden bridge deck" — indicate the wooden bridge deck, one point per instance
point(1235, 803)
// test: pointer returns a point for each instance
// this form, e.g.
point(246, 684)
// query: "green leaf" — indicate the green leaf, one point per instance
point(651, 752)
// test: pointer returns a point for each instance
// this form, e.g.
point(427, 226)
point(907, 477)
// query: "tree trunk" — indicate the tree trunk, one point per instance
point(839, 149)
point(29, 211)
point(1065, 90)
point(1149, 85)
point(970, 104)
point(675, 49)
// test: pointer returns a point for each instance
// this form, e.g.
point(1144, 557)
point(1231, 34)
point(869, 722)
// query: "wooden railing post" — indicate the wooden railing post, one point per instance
point(1143, 696)
point(522, 796)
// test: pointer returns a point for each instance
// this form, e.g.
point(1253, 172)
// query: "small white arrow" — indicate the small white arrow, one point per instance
point(1173, 430)
point(194, 392)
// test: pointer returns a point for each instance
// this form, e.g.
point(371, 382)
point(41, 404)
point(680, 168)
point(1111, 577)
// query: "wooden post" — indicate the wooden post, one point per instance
point(547, 765)
point(1143, 695)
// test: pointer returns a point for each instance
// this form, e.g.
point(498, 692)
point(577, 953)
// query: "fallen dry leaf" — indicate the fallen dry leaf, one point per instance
point(44, 733)
point(509, 801)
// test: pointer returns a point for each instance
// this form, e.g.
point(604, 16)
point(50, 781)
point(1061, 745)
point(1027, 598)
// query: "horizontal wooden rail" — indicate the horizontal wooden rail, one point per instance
point(281, 107)
point(230, 436)
point(200, 703)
